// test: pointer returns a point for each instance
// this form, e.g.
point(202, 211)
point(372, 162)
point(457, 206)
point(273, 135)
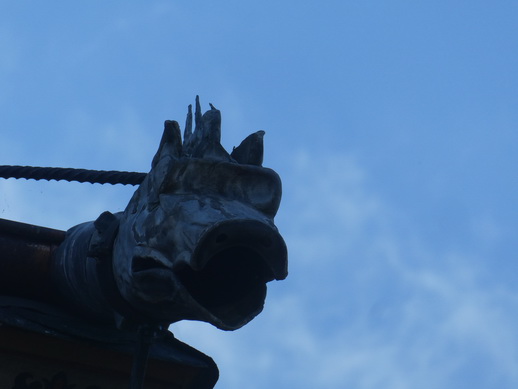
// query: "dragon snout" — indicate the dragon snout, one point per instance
point(243, 241)
point(224, 280)
point(230, 268)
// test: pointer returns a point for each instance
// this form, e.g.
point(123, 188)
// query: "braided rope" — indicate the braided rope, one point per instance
point(68, 174)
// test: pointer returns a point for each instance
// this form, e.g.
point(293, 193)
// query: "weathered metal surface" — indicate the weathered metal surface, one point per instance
point(196, 241)
point(25, 258)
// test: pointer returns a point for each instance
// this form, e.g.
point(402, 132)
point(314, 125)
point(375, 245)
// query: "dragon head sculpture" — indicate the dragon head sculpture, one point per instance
point(197, 240)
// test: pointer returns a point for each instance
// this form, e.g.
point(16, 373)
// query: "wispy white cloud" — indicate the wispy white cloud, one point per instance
point(427, 319)
point(405, 314)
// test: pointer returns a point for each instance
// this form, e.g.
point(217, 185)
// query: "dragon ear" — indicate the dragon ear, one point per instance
point(250, 151)
point(170, 144)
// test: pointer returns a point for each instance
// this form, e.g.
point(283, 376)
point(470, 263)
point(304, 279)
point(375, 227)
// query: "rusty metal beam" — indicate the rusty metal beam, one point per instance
point(26, 252)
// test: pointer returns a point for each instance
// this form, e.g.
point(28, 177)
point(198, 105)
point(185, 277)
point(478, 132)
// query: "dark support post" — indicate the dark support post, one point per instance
point(145, 335)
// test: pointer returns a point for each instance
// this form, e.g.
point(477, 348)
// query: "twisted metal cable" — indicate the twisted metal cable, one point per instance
point(68, 174)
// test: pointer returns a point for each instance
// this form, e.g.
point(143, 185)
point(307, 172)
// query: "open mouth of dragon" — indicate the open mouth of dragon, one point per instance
point(227, 274)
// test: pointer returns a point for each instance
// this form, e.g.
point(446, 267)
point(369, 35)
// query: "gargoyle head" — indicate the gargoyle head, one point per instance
point(197, 240)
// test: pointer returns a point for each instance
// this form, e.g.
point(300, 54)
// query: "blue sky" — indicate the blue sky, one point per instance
point(393, 124)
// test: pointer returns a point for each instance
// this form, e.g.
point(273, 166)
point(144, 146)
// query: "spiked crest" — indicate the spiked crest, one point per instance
point(204, 141)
